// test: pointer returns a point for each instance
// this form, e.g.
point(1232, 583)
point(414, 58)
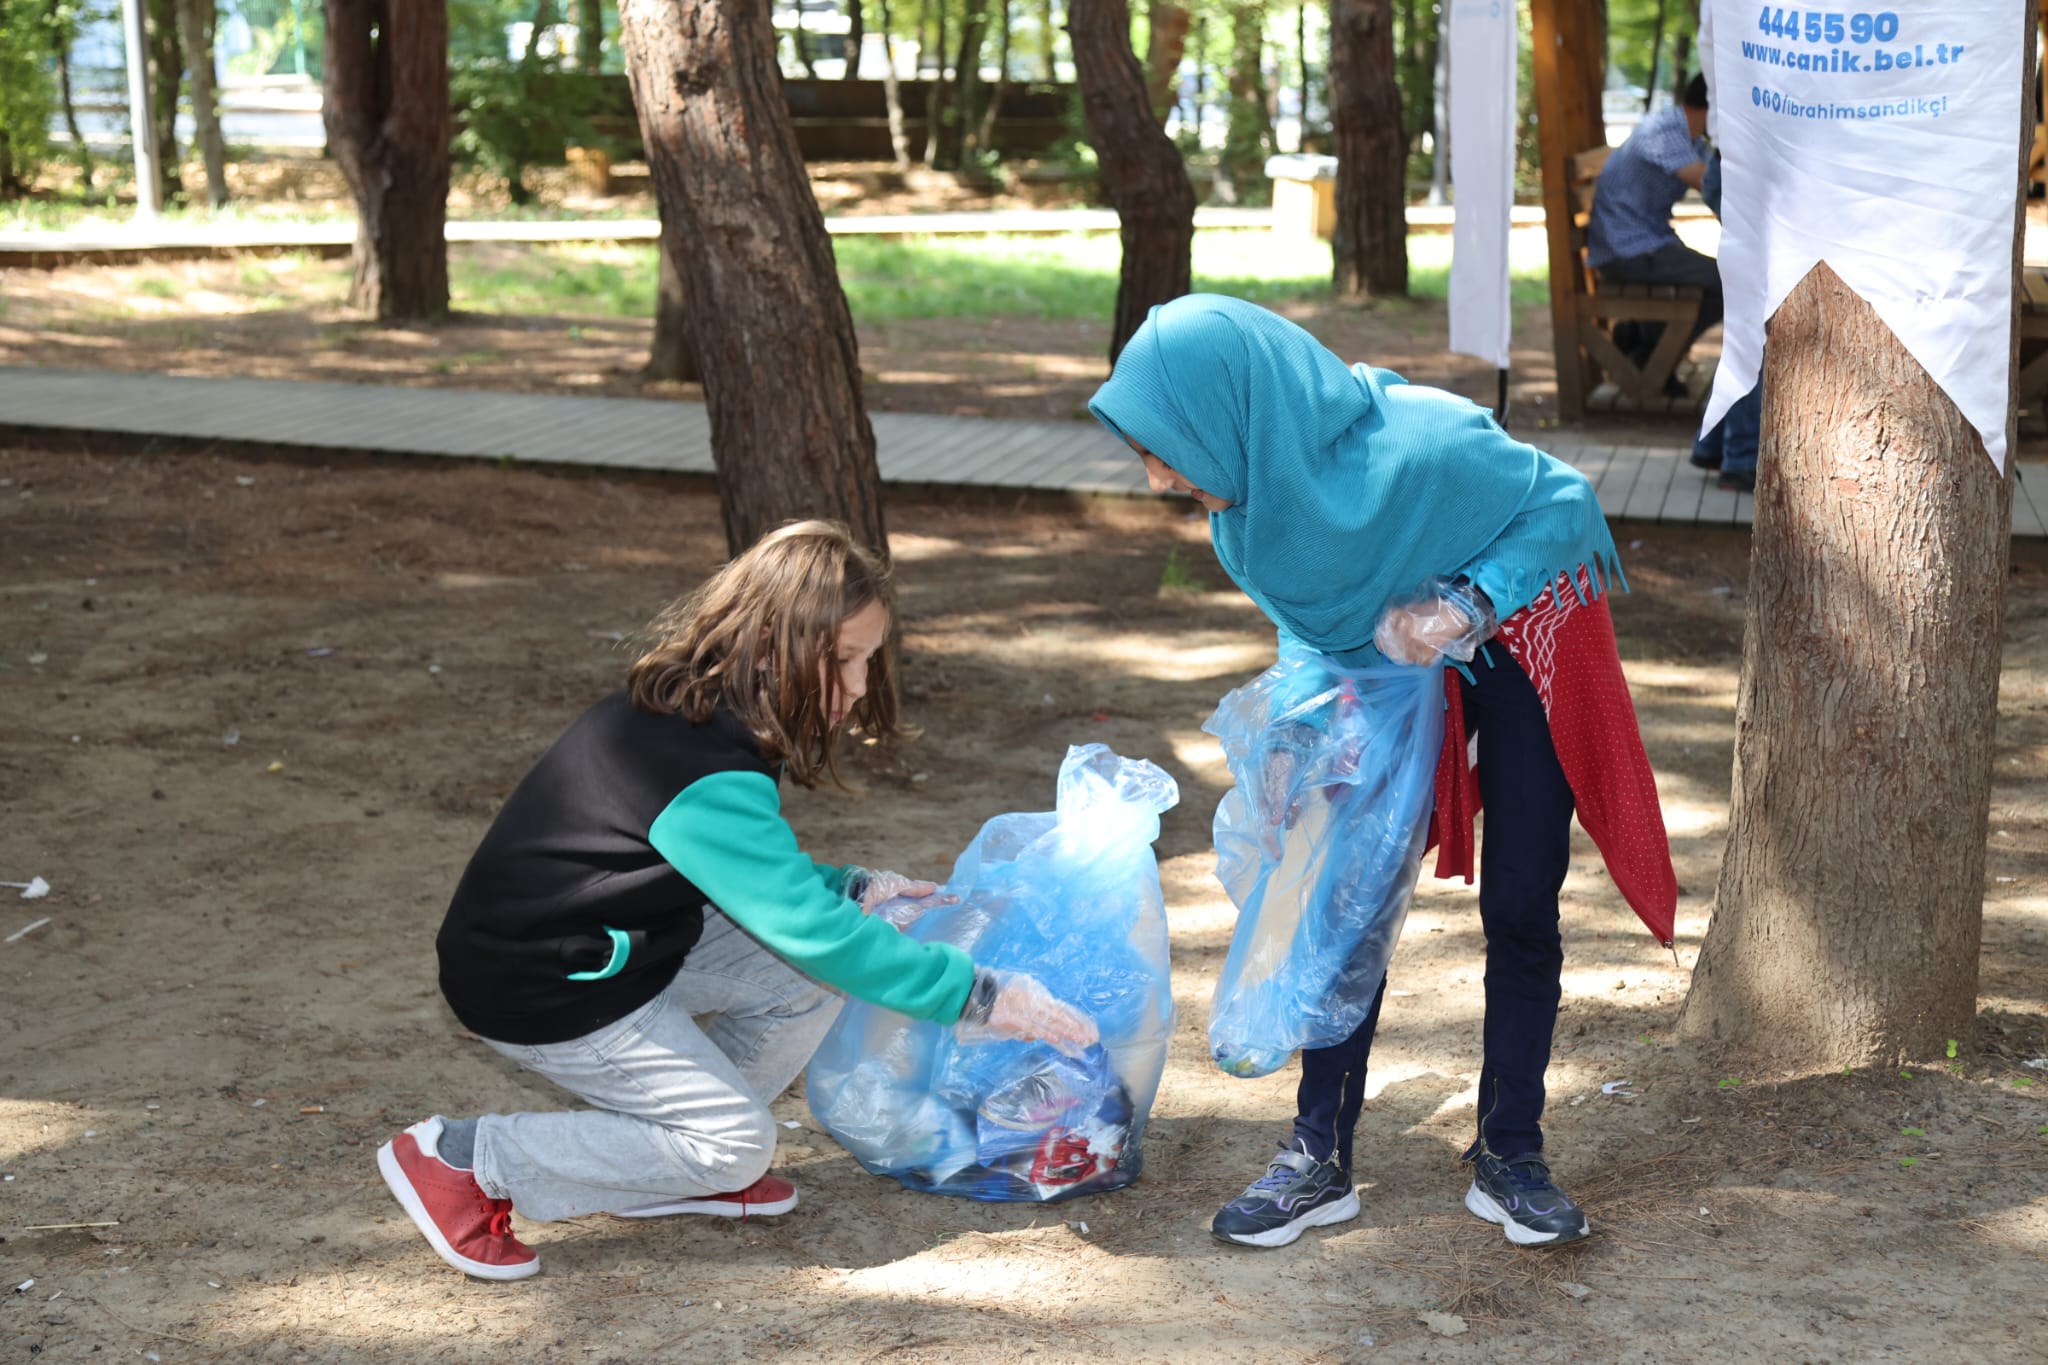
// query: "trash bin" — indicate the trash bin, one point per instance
point(1304, 195)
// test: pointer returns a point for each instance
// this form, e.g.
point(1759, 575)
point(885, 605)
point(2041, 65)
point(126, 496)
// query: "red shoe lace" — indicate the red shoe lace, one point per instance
point(500, 1222)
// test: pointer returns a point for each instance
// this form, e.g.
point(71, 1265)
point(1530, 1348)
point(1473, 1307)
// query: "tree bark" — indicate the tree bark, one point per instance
point(1247, 140)
point(1048, 41)
point(1370, 250)
point(767, 320)
point(1847, 920)
point(671, 357)
point(856, 37)
point(197, 18)
point(166, 71)
point(1142, 172)
point(589, 36)
point(892, 95)
point(992, 107)
point(1163, 50)
point(386, 111)
point(62, 33)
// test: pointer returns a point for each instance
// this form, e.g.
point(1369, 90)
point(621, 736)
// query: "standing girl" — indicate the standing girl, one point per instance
point(640, 927)
point(1352, 507)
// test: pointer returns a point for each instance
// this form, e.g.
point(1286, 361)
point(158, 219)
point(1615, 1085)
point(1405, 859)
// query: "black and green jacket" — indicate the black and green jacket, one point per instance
point(590, 889)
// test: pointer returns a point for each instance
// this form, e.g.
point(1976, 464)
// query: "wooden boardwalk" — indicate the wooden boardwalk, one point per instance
point(1640, 483)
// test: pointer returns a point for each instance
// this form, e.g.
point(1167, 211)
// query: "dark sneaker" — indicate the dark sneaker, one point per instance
point(1517, 1193)
point(1296, 1192)
point(765, 1198)
point(470, 1230)
point(1737, 480)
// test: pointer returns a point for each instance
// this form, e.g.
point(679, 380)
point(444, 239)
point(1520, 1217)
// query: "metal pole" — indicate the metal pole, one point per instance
point(141, 128)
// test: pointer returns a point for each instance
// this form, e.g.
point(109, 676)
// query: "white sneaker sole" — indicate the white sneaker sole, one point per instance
point(715, 1208)
point(1487, 1207)
point(1343, 1211)
point(401, 1187)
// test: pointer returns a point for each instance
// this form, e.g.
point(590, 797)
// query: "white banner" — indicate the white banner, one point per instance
point(1886, 143)
point(1482, 67)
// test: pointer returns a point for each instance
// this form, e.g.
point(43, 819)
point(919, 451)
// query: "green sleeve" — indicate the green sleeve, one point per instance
point(726, 835)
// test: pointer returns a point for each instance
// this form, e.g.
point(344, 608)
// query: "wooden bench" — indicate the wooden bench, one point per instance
point(2030, 387)
point(1598, 305)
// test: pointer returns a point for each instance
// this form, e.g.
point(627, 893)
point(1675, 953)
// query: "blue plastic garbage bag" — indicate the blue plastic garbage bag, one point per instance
point(1318, 844)
point(1072, 897)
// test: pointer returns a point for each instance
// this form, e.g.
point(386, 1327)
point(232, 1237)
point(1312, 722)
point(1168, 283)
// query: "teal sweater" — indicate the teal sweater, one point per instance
point(1349, 487)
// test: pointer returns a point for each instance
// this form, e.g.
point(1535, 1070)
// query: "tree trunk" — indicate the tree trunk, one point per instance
point(938, 99)
point(166, 70)
point(62, 33)
point(1163, 51)
point(671, 357)
point(802, 39)
point(1656, 52)
point(992, 109)
point(956, 117)
point(1240, 170)
point(767, 320)
point(543, 20)
point(385, 107)
point(1304, 136)
point(1847, 920)
point(1142, 173)
point(197, 17)
point(589, 36)
point(892, 95)
point(1370, 249)
point(856, 37)
point(1048, 43)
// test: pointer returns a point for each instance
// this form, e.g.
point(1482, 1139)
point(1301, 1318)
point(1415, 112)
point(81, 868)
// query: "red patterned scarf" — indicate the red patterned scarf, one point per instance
point(1564, 641)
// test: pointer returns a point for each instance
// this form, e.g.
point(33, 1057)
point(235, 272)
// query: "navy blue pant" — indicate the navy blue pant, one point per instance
point(1522, 863)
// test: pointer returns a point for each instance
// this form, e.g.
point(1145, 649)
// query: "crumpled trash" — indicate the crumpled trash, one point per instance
point(1318, 844)
point(1444, 1324)
point(1071, 897)
point(34, 889)
point(1620, 1087)
point(2038, 1063)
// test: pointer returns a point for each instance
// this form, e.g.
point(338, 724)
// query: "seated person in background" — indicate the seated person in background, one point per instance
point(1629, 238)
point(1731, 446)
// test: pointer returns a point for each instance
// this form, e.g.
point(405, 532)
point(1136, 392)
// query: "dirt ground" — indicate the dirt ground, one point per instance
point(254, 716)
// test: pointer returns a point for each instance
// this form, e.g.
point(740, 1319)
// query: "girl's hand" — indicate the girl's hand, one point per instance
point(1448, 619)
point(895, 897)
point(1017, 1005)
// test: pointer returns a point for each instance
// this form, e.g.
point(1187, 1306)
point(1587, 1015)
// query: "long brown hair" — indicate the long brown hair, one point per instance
point(760, 639)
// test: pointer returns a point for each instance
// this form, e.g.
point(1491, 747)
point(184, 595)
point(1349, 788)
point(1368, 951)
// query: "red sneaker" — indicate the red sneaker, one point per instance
point(470, 1230)
point(766, 1197)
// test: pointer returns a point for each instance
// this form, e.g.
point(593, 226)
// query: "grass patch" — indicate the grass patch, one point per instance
point(1065, 278)
point(157, 287)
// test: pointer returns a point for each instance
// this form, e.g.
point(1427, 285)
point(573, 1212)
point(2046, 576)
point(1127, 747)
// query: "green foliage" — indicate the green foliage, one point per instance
point(512, 115)
point(1632, 31)
point(28, 91)
point(1176, 576)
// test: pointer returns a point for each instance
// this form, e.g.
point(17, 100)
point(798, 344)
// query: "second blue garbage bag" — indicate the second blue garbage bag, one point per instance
point(1072, 897)
point(1318, 844)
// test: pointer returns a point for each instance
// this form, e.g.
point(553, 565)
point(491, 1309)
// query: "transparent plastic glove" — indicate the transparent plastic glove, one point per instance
point(1445, 619)
point(1017, 1005)
point(891, 896)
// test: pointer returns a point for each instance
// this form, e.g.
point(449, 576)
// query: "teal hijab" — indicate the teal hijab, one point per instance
point(1348, 486)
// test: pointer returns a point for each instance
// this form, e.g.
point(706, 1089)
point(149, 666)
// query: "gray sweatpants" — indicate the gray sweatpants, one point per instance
point(681, 1102)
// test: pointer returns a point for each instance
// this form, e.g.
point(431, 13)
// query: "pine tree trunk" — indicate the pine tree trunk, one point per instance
point(62, 35)
point(1847, 920)
point(386, 110)
point(955, 148)
point(1240, 170)
point(1048, 41)
point(892, 95)
point(767, 320)
point(589, 36)
point(197, 17)
point(1370, 249)
point(166, 72)
point(1142, 173)
point(670, 357)
point(1163, 51)
point(856, 37)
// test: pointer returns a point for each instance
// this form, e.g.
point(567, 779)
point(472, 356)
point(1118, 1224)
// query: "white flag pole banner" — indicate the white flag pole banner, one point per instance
point(1884, 142)
point(1482, 133)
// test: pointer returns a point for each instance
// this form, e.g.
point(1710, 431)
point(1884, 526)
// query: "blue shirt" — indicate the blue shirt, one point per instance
point(1632, 202)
